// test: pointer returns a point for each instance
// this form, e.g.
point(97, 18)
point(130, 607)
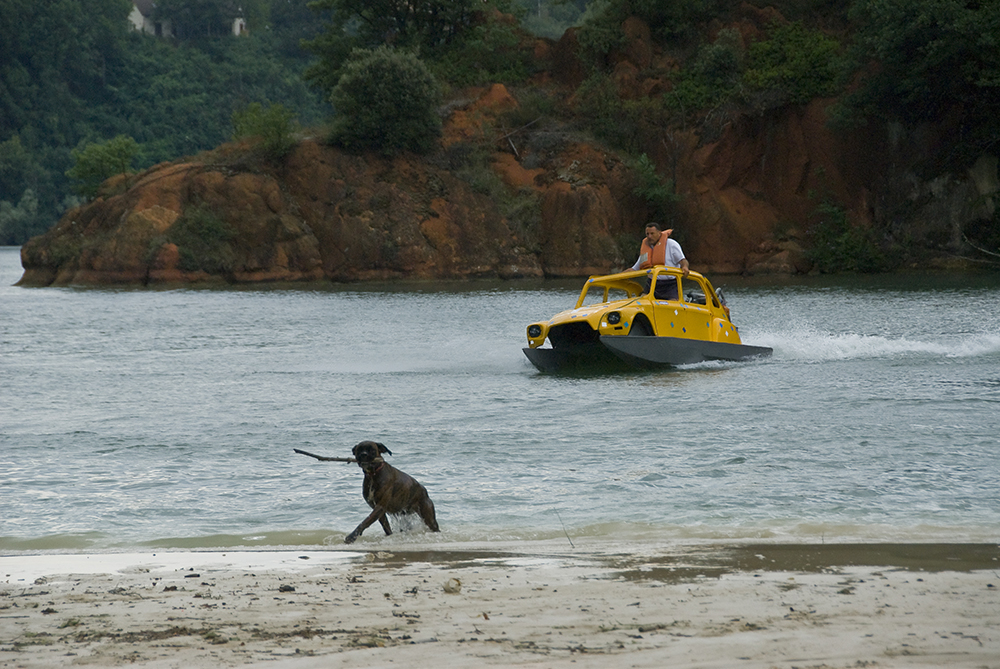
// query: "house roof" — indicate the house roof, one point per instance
point(145, 7)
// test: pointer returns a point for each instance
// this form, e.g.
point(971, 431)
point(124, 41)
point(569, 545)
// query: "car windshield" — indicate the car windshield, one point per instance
point(597, 294)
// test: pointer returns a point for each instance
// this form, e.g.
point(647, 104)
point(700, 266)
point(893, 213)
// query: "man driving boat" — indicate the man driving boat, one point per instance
point(658, 249)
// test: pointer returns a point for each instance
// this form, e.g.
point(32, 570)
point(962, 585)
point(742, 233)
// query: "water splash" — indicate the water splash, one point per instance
point(809, 345)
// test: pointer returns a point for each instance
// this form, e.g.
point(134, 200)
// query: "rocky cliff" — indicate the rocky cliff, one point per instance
point(749, 183)
point(325, 214)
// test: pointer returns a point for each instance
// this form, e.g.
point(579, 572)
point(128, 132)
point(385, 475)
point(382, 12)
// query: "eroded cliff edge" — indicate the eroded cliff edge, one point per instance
point(749, 183)
point(324, 214)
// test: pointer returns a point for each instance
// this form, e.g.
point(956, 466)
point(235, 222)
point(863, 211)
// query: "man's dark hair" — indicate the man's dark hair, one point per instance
point(655, 224)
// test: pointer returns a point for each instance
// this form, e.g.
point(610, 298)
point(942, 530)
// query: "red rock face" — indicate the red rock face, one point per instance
point(324, 214)
point(749, 184)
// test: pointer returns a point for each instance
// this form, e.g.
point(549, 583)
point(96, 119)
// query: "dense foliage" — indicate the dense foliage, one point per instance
point(386, 100)
point(790, 64)
point(838, 246)
point(191, 18)
point(464, 42)
point(73, 74)
point(602, 24)
point(271, 128)
point(98, 161)
point(910, 62)
point(800, 63)
point(427, 25)
point(928, 60)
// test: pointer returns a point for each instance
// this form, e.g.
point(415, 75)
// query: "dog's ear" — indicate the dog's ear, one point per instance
point(382, 448)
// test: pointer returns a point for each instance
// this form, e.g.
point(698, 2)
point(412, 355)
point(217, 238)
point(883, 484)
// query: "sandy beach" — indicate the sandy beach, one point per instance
point(903, 605)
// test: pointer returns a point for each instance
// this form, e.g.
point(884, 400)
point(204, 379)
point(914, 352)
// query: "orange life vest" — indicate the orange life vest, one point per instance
point(656, 255)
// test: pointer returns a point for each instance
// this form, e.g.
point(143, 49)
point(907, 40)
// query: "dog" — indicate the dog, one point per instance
point(388, 491)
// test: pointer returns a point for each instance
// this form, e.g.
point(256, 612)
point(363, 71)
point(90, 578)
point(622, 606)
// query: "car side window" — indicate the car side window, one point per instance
point(693, 292)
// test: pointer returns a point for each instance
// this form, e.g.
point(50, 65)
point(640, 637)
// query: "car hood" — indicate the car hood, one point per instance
point(588, 311)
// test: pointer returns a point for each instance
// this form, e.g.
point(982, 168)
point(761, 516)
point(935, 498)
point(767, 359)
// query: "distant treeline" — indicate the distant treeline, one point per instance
point(75, 72)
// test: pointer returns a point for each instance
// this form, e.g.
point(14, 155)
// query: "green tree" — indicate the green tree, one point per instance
point(799, 63)
point(934, 58)
point(839, 246)
point(427, 25)
point(72, 70)
point(659, 193)
point(712, 76)
point(601, 29)
point(491, 51)
point(19, 222)
point(272, 127)
point(386, 100)
point(100, 160)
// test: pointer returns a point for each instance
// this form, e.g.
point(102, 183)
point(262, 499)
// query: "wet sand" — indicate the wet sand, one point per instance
point(771, 605)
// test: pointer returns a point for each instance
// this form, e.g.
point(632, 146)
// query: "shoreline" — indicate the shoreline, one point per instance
point(720, 605)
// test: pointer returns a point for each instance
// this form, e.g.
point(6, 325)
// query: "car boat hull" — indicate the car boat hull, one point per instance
point(669, 351)
point(614, 353)
point(588, 357)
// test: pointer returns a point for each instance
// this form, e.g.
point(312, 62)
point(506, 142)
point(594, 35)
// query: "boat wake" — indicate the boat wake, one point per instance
point(816, 346)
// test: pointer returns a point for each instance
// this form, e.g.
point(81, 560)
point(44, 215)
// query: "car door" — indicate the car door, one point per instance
point(687, 317)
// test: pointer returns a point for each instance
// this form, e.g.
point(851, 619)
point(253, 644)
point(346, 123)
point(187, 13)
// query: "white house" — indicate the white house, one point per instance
point(142, 20)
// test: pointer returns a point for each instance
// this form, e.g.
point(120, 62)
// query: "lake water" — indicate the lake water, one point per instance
point(167, 418)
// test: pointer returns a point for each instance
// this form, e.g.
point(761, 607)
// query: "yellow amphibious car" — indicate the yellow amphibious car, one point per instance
point(618, 318)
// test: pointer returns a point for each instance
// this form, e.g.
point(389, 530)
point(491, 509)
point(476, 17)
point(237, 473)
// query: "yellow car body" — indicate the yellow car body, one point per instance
point(692, 327)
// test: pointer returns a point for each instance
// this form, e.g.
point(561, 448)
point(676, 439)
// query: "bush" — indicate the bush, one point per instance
point(601, 31)
point(624, 124)
point(710, 79)
point(98, 161)
point(21, 221)
point(273, 128)
point(491, 52)
point(522, 208)
point(793, 65)
point(839, 246)
point(801, 63)
point(658, 193)
point(204, 241)
point(385, 100)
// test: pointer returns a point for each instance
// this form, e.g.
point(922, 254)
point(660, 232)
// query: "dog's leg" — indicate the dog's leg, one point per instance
point(384, 520)
point(426, 511)
point(376, 514)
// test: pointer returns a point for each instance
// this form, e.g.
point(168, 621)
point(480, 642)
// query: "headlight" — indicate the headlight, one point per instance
point(614, 318)
point(534, 331)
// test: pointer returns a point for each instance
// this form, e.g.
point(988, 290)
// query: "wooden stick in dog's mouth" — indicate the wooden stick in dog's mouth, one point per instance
point(323, 457)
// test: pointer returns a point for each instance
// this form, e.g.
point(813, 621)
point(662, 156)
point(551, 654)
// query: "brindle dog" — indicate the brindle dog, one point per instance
point(388, 491)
